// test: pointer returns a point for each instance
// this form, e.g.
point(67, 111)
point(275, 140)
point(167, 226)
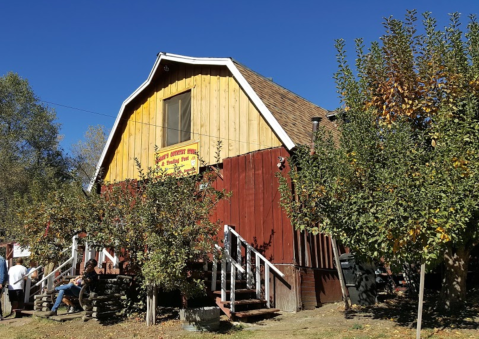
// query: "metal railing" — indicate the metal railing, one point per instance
point(237, 270)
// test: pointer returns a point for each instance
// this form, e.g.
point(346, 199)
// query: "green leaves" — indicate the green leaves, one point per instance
point(29, 150)
point(162, 223)
point(402, 181)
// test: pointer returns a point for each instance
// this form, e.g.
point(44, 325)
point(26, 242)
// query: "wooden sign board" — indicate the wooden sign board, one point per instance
point(184, 157)
point(19, 251)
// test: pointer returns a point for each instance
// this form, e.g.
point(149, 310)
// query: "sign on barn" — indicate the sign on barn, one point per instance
point(184, 157)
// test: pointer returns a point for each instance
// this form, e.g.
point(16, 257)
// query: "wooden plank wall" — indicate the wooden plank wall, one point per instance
point(220, 110)
point(314, 251)
point(253, 208)
point(255, 212)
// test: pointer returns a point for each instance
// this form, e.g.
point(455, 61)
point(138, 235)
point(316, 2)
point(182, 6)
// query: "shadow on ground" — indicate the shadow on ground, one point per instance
point(403, 311)
point(166, 314)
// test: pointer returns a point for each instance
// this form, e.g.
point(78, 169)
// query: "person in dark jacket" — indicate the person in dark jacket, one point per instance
point(73, 288)
point(3, 281)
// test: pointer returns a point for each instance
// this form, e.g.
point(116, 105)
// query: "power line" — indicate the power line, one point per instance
point(154, 125)
point(78, 109)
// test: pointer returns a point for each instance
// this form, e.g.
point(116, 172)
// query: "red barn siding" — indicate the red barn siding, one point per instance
point(253, 208)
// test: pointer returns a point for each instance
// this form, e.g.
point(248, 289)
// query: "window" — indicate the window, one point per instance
point(177, 119)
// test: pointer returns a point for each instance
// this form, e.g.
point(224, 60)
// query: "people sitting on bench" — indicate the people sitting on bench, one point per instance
point(73, 288)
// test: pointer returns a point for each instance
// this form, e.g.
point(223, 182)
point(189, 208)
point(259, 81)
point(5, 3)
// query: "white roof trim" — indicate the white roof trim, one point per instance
point(228, 62)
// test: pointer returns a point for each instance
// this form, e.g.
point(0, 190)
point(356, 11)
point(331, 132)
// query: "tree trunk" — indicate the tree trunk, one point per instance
point(184, 301)
point(453, 291)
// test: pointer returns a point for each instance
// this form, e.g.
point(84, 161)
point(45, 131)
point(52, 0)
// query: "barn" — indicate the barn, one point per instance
point(190, 103)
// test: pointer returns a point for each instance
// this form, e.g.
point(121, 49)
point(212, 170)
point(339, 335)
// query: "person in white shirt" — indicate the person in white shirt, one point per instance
point(16, 281)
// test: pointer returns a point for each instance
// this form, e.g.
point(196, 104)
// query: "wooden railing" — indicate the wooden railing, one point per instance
point(237, 271)
point(48, 280)
point(90, 253)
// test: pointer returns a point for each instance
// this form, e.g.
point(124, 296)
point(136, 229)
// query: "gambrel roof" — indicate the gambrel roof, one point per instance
point(288, 114)
point(292, 112)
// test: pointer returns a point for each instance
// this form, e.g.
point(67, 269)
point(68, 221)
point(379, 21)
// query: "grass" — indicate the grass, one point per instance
point(357, 326)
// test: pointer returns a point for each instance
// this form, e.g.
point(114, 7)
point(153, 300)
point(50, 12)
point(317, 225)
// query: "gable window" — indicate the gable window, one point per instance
point(177, 119)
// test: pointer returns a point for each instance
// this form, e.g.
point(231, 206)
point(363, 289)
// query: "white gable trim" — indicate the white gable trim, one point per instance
point(228, 62)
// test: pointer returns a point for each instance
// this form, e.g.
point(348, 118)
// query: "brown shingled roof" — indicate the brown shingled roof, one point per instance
point(292, 112)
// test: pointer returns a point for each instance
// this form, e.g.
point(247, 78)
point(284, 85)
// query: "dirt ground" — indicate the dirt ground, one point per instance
point(390, 319)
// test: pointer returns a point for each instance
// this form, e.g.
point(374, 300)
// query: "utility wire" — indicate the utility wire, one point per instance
point(154, 125)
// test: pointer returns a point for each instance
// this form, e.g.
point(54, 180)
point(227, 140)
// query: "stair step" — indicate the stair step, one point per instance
point(45, 295)
point(67, 316)
point(240, 291)
point(28, 312)
point(245, 302)
point(252, 313)
point(68, 277)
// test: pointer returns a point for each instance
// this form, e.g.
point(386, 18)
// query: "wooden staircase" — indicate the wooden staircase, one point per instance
point(241, 287)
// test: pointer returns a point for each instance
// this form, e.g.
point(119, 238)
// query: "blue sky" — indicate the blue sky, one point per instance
point(91, 55)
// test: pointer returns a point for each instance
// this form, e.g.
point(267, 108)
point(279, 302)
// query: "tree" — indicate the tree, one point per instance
point(86, 153)
point(47, 220)
point(29, 143)
point(401, 182)
point(162, 222)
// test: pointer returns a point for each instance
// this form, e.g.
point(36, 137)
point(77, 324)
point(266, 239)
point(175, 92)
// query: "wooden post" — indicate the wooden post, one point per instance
point(266, 285)
point(50, 284)
point(421, 299)
point(257, 265)
point(6, 305)
point(151, 305)
point(28, 285)
point(249, 272)
point(88, 252)
point(101, 258)
point(223, 278)
point(227, 246)
point(74, 254)
point(340, 272)
point(239, 259)
point(214, 273)
point(154, 303)
point(233, 289)
point(148, 319)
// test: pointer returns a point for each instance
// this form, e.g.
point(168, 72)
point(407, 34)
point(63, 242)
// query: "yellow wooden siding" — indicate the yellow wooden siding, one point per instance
point(234, 117)
point(220, 110)
point(214, 111)
point(223, 112)
point(152, 129)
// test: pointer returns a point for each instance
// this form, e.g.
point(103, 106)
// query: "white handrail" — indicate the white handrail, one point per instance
point(72, 259)
point(234, 266)
point(113, 259)
point(266, 261)
point(61, 275)
point(54, 271)
point(234, 262)
point(250, 276)
point(28, 274)
point(36, 268)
